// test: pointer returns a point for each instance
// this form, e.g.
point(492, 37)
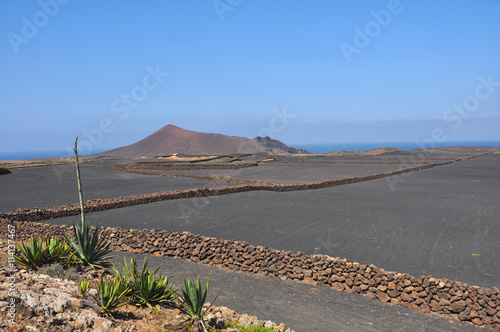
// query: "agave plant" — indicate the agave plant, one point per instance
point(111, 294)
point(89, 248)
point(192, 301)
point(58, 251)
point(41, 253)
point(83, 288)
point(34, 256)
point(147, 290)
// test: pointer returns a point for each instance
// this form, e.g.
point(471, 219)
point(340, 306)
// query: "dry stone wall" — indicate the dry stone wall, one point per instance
point(240, 185)
point(454, 299)
point(166, 166)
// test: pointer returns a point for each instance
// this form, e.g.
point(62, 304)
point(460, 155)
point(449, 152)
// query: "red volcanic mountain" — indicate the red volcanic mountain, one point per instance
point(172, 139)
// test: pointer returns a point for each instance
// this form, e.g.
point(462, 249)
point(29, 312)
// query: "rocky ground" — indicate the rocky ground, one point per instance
point(49, 301)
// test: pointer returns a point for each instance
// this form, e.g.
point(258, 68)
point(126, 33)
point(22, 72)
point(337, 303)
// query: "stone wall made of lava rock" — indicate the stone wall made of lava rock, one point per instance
point(453, 299)
point(38, 214)
point(165, 166)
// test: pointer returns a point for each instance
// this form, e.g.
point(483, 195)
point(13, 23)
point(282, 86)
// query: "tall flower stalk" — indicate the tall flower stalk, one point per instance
point(89, 247)
point(80, 194)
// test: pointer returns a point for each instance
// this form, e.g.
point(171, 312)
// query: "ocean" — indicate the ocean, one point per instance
point(329, 147)
point(24, 155)
point(313, 148)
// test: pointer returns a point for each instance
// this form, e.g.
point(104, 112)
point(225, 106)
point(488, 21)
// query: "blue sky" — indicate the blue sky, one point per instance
point(113, 72)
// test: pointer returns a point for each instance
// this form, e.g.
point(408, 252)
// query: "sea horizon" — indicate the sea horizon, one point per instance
point(311, 148)
point(366, 146)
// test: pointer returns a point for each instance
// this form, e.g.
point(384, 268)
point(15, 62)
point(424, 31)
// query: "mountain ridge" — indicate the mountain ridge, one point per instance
point(172, 139)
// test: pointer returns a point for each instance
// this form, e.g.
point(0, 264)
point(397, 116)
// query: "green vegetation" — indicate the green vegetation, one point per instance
point(57, 257)
point(34, 256)
point(192, 301)
point(111, 294)
point(249, 328)
point(80, 193)
point(89, 248)
point(83, 288)
point(60, 252)
point(146, 289)
point(218, 179)
point(41, 253)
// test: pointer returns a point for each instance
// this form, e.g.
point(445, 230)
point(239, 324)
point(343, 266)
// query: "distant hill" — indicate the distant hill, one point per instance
point(274, 144)
point(372, 152)
point(174, 140)
point(444, 150)
point(467, 148)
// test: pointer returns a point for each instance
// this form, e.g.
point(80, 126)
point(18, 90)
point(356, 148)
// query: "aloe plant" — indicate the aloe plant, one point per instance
point(147, 290)
point(111, 294)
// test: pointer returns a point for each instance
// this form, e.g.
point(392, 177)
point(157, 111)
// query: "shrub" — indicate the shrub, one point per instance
point(53, 270)
point(72, 274)
point(4, 171)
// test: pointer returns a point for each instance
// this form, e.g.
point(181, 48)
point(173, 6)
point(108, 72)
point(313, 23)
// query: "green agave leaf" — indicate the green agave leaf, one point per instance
point(147, 290)
point(90, 249)
point(111, 295)
point(194, 297)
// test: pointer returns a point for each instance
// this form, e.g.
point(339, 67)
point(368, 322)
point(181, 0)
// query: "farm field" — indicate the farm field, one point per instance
point(440, 221)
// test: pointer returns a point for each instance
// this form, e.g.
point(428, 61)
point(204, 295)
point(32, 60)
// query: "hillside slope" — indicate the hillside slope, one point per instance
point(174, 140)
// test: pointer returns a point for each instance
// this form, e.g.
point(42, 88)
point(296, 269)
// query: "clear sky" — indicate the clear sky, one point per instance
point(113, 72)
